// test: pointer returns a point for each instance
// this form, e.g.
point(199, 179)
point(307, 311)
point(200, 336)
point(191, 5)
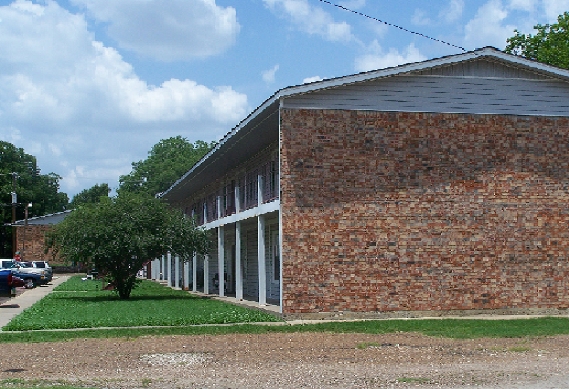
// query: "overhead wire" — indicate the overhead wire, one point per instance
point(392, 25)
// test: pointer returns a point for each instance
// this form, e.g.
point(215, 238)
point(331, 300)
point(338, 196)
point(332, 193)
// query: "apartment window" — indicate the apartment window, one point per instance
point(270, 181)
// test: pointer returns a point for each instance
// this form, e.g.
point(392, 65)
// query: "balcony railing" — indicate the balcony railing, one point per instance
point(240, 195)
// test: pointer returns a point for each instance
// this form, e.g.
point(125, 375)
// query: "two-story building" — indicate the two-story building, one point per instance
point(437, 186)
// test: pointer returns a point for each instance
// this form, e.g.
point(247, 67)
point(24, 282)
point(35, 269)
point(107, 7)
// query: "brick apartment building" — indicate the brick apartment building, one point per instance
point(31, 236)
point(428, 188)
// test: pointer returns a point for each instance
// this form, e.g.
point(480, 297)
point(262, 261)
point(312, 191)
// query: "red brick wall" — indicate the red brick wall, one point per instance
point(416, 211)
point(31, 242)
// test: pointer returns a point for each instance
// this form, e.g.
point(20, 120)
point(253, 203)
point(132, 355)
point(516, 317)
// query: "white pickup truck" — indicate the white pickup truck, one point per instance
point(32, 276)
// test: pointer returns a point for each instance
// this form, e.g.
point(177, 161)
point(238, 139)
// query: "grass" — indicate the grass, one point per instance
point(519, 349)
point(18, 383)
point(82, 304)
point(365, 345)
point(519, 328)
point(157, 310)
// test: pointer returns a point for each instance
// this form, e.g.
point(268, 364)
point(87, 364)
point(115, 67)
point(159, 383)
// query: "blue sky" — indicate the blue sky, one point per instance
point(89, 86)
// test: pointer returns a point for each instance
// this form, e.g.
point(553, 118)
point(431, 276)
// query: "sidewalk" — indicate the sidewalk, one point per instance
point(25, 300)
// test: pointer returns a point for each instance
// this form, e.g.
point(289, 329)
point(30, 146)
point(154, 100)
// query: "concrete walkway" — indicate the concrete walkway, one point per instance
point(16, 305)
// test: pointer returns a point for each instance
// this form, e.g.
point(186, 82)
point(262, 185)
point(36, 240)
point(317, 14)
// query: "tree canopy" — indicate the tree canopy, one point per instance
point(19, 172)
point(549, 45)
point(168, 160)
point(91, 195)
point(118, 235)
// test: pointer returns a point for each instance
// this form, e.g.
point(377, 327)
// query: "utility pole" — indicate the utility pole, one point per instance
point(14, 204)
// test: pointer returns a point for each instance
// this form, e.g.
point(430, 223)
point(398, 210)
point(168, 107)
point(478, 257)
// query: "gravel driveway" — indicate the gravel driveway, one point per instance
point(296, 361)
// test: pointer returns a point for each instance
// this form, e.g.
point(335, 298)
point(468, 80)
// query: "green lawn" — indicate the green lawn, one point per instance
point(157, 310)
point(82, 304)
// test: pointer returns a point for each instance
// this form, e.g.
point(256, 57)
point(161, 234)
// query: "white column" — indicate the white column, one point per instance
point(195, 273)
point(169, 268)
point(177, 271)
point(238, 274)
point(206, 274)
point(162, 268)
point(261, 260)
point(261, 245)
point(221, 259)
point(260, 182)
point(237, 200)
point(186, 275)
point(218, 203)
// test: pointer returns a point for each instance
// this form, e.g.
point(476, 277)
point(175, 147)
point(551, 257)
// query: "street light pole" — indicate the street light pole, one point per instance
point(24, 232)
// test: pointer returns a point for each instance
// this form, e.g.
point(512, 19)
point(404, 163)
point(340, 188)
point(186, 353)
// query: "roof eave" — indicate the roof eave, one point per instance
point(366, 76)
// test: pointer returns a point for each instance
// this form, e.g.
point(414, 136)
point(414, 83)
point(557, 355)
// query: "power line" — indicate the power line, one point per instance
point(392, 25)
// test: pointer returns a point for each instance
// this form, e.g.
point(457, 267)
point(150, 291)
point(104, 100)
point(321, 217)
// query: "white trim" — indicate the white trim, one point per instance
point(221, 260)
point(261, 260)
point(280, 219)
point(265, 208)
point(195, 273)
point(177, 272)
point(238, 272)
point(169, 268)
point(186, 285)
point(206, 274)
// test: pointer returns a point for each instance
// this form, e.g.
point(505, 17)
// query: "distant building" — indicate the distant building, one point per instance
point(436, 186)
point(30, 236)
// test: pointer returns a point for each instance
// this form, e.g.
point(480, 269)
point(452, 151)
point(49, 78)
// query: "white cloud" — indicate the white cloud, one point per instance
point(378, 29)
point(453, 11)
point(82, 109)
point(312, 79)
point(420, 18)
point(312, 20)
point(269, 75)
point(486, 28)
point(378, 59)
point(528, 13)
point(554, 8)
point(523, 5)
point(353, 4)
point(177, 26)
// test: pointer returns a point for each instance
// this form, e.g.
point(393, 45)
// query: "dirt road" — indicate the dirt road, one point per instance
point(295, 361)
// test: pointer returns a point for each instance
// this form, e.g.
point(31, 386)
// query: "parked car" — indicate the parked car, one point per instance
point(42, 265)
point(6, 263)
point(8, 283)
point(17, 281)
point(31, 276)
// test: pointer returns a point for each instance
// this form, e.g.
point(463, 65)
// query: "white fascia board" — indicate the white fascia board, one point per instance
point(419, 66)
point(530, 64)
point(366, 76)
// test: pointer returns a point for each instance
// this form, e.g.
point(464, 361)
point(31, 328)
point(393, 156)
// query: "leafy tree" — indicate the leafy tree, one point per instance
point(549, 45)
point(118, 235)
point(168, 160)
point(91, 195)
point(19, 172)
